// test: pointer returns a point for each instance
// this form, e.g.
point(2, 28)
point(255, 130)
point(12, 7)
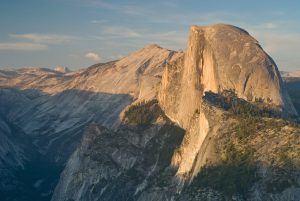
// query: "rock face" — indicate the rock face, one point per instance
point(12, 156)
point(52, 109)
point(221, 57)
point(94, 124)
point(136, 75)
point(218, 58)
point(130, 163)
point(60, 104)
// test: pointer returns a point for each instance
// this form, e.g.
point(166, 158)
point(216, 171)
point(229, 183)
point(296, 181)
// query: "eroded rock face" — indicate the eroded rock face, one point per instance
point(157, 161)
point(132, 163)
point(136, 75)
point(52, 108)
point(197, 147)
point(60, 105)
point(218, 58)
point(221, 57)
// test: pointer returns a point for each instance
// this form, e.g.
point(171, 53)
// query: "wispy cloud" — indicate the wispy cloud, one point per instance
point(275, 36)
point(45, 38)
point(34, 41)
point(23, 46)
point(283, 47)
point(98, 21)
point(172, 36)
point(102, 4)
point(125, 8)
point(140, 37)
point(170, 4)
point(92, 56)
point(192, 18)
point(120, 31)
point(275, 42)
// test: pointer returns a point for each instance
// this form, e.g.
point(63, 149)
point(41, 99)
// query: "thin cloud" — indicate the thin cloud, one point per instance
point(128, 9)
point(170, 36)
point(279, 42)
point(98, 21)
point(92, 56)
point(203, 18)
point(103, 4)
point(120, 32)
point(119, 43)
point(170, 4)
point(45, 38)
point(23, 46)
point(275, 38)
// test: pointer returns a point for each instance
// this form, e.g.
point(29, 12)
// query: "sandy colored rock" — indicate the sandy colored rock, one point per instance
point(221, 57)
point(218, 57)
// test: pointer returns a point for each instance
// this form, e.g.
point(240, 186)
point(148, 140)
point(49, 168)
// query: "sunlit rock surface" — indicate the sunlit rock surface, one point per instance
point(218, 58)
point(52, 108)
point(80, 142)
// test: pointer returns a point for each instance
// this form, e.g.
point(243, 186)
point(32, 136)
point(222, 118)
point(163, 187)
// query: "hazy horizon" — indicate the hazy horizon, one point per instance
point(78, 33)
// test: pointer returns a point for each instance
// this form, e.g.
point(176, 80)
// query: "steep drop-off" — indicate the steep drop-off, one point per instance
point(51, 109)
point(227, 120)
point(218, 58)
point(220, 129)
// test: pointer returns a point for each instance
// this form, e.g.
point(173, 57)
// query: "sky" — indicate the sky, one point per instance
point(79, 33)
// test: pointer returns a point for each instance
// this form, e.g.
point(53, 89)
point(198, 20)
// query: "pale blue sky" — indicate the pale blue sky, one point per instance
point(78, 33)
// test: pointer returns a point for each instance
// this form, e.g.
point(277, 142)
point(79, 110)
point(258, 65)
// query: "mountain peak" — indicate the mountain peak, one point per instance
point(218, 58)
point(62, 70)
point(218, 27)
point(152, 46)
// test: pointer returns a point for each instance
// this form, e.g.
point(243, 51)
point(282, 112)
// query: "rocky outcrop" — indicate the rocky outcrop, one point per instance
point(218, 58)
point(248, 168)
point(59, 105)
point(136, 75)
point(53, 108)
point(179, 148)
point(197, 147)
point(132, 163)
point(221, 57)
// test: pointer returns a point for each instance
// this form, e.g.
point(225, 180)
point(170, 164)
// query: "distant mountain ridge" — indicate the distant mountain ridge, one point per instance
point(290, 74)
point(52, 108)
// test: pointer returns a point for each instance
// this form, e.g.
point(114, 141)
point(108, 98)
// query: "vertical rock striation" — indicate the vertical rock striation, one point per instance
point(218, 58)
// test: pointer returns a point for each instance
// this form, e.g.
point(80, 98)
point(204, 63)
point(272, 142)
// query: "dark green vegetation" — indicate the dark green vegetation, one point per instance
point(238, 146)
point(144, 113)
point(229, 101)
point(234, 175)
point(152, 158)
point(284, 175)
point(162, 146)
